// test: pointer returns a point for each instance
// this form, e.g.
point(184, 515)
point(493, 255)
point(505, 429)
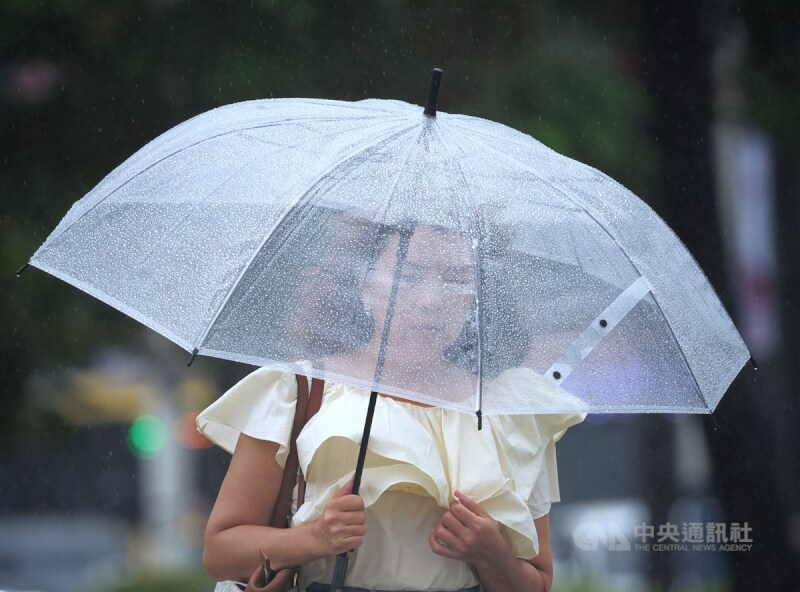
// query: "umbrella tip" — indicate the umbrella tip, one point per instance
point(479, 413)
point(753, 362)
point(21, 269)
point(433, 92)
point(194, 355)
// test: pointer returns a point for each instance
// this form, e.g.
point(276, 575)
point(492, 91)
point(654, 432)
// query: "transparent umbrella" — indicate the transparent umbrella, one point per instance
point(416, 253)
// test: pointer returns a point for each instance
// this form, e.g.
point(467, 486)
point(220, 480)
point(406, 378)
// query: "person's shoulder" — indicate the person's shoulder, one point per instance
point(260, 405)
point(265, 377)
point(534, 406)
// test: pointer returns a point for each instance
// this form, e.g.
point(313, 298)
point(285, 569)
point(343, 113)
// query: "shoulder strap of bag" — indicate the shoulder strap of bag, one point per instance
point(308, 403)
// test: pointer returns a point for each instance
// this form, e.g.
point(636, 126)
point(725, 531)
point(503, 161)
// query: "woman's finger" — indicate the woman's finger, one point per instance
point(453, 524)
point(349, 544)
point(446, 538)
point(466, 516)
point(348, 503)
point(438, 548)
point(351, 531)
point(353, 517)
point(471, 505)
point(337, 529)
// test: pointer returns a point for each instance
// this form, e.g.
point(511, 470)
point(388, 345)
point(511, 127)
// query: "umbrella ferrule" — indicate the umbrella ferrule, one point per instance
point(433, 92)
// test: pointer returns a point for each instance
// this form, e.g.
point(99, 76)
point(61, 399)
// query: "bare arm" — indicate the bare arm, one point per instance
point(235, 532)
point(506, 572)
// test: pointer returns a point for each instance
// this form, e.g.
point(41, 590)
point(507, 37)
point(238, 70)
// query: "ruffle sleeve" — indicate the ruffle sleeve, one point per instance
point(261, 405)
point(525, 388)
point(546, 491)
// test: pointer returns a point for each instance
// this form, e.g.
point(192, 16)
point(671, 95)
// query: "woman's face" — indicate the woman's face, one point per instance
point(436, 294)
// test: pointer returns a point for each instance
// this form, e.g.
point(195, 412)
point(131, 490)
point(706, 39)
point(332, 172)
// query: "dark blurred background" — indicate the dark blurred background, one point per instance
point(104, 484)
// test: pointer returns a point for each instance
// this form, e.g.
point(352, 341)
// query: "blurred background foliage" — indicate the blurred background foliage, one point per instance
point(88, 83)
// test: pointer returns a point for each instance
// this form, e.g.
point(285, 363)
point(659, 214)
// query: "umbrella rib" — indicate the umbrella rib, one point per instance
point(291, 208)
point(538, 146)
point(476, 259)
point(385, 209)
point(51, 240)
point(619, 246)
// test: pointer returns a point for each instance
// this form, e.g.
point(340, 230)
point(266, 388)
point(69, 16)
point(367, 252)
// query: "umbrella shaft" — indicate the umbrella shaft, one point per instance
point(342, 559)
point(362, 452)
point(402, 251)
point(405, 237)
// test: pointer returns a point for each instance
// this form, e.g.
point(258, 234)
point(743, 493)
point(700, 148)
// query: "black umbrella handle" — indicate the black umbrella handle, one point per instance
point(342, 559)
point(339, 572)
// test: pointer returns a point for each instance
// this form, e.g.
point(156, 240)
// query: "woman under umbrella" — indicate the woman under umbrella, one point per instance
point(442, 506)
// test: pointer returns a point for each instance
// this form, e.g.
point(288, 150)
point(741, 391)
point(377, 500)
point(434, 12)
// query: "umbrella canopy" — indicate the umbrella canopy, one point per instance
point(279, 230)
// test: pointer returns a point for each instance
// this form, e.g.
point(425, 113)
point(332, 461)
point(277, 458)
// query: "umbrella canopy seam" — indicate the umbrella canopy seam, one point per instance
point(381, 216)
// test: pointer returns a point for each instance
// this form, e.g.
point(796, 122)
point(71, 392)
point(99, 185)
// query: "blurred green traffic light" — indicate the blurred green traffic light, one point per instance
point(147, 436)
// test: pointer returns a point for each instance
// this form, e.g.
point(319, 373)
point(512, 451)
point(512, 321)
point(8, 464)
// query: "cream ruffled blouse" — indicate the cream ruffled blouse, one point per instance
point(418, 456)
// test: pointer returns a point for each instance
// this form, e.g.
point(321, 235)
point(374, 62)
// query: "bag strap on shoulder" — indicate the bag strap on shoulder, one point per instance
point(308, 403)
